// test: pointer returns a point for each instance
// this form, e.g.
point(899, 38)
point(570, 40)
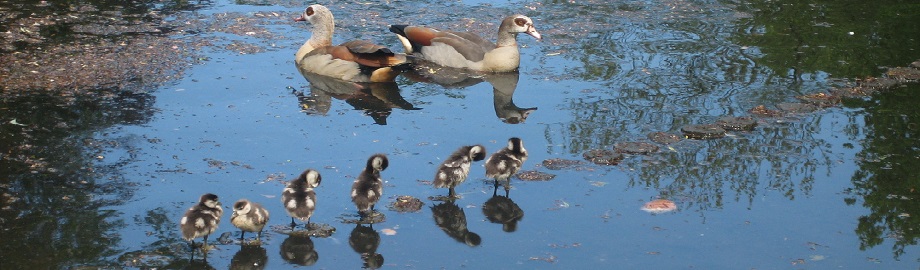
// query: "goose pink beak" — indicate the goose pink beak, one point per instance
point(300, 19)
point(534, 34)
point(532, 31)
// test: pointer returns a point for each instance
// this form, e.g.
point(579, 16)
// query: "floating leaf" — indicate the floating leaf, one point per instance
point(659, 206)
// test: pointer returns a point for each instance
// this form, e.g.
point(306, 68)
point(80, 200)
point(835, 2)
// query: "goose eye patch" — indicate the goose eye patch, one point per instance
point(520, 21)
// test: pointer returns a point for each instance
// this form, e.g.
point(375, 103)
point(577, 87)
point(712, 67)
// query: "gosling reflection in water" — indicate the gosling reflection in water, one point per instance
point(298, 249)
point(364, 240)
point(191, 263)
point(503, 87)
point(249, 257)
point(452, 220)
point(502, 210)
point(376, 99)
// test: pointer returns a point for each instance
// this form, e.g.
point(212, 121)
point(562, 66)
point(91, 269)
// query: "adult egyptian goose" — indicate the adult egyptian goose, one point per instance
point(355, 61)
point(468, 50)
point(456, 167)
point(249, 217)
point(201, 220)
point(506, 162)
point(299, 199)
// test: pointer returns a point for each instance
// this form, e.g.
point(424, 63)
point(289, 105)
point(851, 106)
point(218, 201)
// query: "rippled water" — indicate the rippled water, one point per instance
point(824, 189)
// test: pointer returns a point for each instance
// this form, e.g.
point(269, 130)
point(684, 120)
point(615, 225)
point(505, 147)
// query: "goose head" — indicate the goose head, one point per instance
point(515, 24)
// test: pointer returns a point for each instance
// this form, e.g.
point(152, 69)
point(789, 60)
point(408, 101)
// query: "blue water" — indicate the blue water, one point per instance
point(772, 198)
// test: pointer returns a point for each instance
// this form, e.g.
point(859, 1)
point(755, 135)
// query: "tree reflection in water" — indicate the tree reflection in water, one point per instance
point(688, 75)
point(887, 180)
point(61, 177)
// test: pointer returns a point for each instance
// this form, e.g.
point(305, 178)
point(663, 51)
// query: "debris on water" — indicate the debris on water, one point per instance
point(559, 204)
point(904, 73)
point(442, 198)
point(703, 132)
point(820, 99)
point(252, 242)
point(145, 259)
point(550, 258)
point(225, 238)
point(603, 157)
point(659, 206)
point(635, 147)
point(598, 183)
point(763, 111)
point(559, 164)
point(17, 123)
point(321, 230)
point(664, 137)
point(743, 123)
point(534, 175)
point(373, 218)
point(405, 204)
point(388, 231)
point(573, 245)
point(791, 107)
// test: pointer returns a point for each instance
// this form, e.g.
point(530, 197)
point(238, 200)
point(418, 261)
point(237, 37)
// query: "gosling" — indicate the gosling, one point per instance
point(368, 187)
point(249, 217)
point(506, 162)
point(455, 169)
point(299, 199)
point(201, 220)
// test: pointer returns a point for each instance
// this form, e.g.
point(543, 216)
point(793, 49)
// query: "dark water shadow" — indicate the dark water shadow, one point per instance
point(452, 220)
point(502, 210)
point(503, 87)
point(191, 263)
point(298, 249)
point(377, 100)
point(249, 257)
point(365, 240)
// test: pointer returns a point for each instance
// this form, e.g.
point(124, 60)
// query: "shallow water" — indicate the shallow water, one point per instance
point(823, 189)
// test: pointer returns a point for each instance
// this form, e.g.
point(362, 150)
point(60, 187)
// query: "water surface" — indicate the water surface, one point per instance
point(823, 189)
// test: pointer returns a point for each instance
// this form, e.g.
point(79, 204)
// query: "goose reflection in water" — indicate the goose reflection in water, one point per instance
point(376, 99)
point(452, 220)
point(298, 249)
point(364, 240)
point(502, 210)
point(249, 257)
point(503, 87)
